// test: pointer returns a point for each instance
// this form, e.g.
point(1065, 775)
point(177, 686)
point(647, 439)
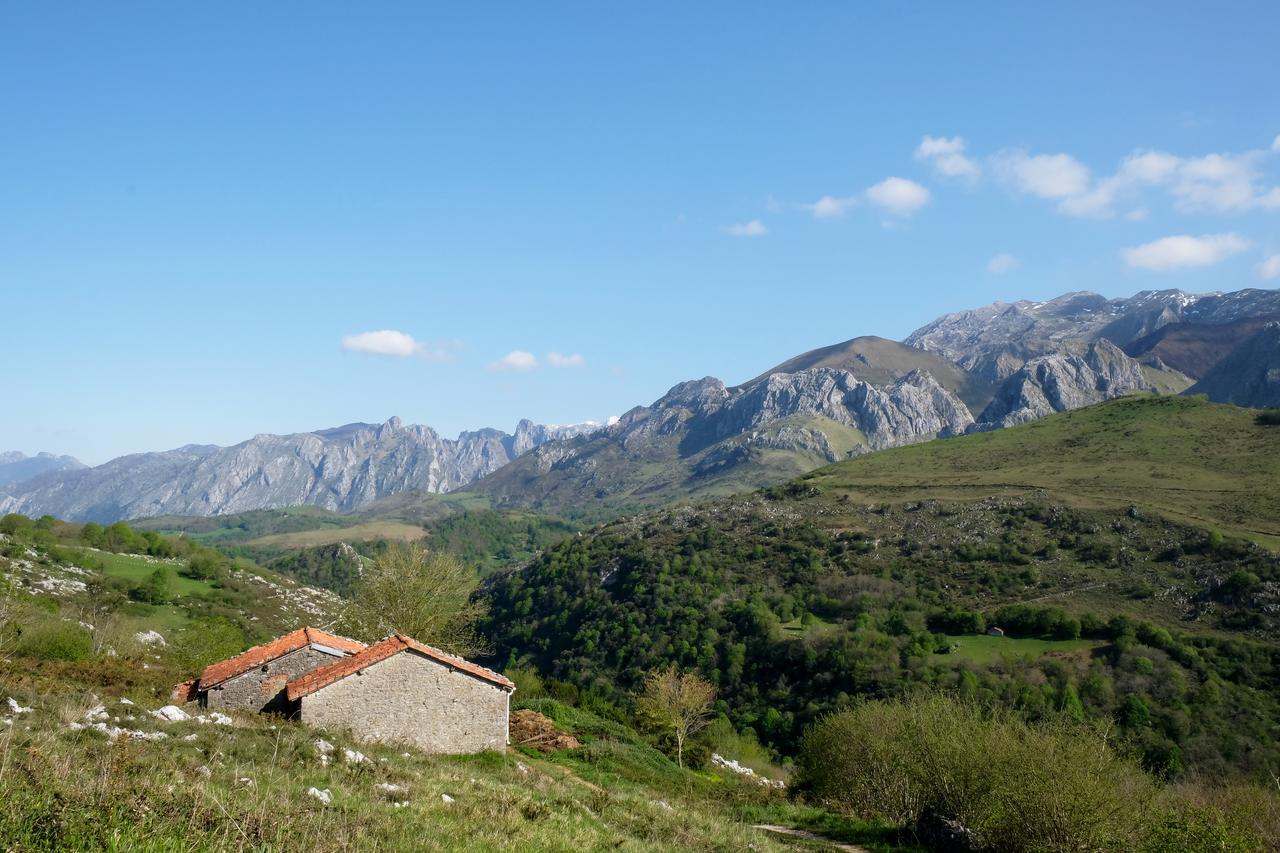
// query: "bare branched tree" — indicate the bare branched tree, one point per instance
point(427, 595)
point(679, 701)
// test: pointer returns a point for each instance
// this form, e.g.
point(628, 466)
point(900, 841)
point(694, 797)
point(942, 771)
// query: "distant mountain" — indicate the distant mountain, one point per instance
point(1194, 349)
point(996, 340)
point(1249, 375)
point(703, 437)
point(1061, 382)
point(343, 469)
point(16, 467)
point(880, 361)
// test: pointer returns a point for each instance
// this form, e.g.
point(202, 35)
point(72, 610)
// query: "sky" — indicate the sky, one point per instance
point(218, 220)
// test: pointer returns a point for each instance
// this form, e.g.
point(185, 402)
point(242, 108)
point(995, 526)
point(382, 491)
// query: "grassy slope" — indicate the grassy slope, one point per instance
point(67, 789)
point(1189, 460)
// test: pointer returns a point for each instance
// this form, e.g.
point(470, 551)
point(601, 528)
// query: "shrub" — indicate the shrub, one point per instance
point(1054, 786)
point(55, 640)
point(1268, 417)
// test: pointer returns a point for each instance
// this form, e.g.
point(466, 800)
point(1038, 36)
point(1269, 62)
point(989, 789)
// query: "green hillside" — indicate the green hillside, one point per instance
point(1185, 458)
point(1110, 543)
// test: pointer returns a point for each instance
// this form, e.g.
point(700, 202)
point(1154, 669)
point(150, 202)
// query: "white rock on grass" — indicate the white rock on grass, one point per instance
point(389, 787)
point(445, 798)
point(190, 737)
point(323, 746)
point(204, 771)
point(98, 712)
point(150, 638)
point(124, 700)
point(354, 757)
point(16, 708)
point(171, 713)
point(325, 796)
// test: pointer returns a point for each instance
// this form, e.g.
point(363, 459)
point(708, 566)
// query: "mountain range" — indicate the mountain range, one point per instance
point(969, 371)
point(15, 466)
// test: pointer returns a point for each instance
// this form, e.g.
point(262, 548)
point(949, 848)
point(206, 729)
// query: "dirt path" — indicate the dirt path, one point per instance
point(809, 836)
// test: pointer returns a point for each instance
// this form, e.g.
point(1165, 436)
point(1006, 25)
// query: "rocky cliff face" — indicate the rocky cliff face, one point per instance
point(702, 435)
point(1063, 381)
point(996, 340)
point(340, 469)
point(16, 466)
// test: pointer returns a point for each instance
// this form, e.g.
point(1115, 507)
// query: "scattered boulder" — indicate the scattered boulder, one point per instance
point(446, 799)
point(150, 638)
point(16, 708)
point(325, 796)
point(529, 728)
point(171, 714)
point(935, 832)
point(354, 757)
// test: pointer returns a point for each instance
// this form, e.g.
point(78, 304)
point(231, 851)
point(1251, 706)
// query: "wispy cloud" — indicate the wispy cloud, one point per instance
point(1001, 263)
point(1269, 268)
point(832, 207)
point(947, 157)
point(517, 359)
point(1184, 252)
point(899, 196)
point(390, 342)
point(754, 228)
point(1213, 183)
point(556, 359)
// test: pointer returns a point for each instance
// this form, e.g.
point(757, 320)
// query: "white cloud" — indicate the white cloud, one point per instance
point(898, 196)
point(1184, 251)
point(1269, 268)
point(1275, 144)
point(754, 228)
point(1046, 175)
point(831, 207)
point(517, 359)
point(947, 156)
point(399, 345)
point(1001, 263)
point(555, 359)
point(1214, 183)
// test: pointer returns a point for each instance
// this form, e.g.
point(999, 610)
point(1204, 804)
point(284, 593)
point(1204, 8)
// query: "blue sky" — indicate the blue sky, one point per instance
point(198, 207)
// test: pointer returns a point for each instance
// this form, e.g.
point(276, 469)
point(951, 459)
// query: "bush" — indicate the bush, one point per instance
point(1056, 786)
point(1268, 417)
point(55, 641)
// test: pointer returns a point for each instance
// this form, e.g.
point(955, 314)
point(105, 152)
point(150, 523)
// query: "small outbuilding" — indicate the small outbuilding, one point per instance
point(401, 691)
point(995, 631)
point(255, 680)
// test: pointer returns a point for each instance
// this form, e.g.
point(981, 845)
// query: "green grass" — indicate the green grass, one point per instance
point(984, 649)
point(1190, 460)
point(367, 530)
point(136, 569)
point(77, 790)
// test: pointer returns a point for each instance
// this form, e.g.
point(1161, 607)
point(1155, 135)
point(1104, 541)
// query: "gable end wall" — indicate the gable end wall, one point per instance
point(409, 698)
point(256, 690)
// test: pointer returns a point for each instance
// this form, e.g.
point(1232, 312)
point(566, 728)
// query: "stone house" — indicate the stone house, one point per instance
point(401, 691)
point(255, 680)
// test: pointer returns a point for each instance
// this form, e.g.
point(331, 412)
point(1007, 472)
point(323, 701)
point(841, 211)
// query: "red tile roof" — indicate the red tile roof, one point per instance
point(187, 691)
point(217, 673)
point(380, 651)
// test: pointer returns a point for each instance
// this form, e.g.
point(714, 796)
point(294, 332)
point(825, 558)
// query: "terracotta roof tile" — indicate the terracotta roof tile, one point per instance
point(187, 691)
point(217, 673)
point(380, 651)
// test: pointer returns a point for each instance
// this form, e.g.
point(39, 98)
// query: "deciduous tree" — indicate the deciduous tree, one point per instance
point(679, 701)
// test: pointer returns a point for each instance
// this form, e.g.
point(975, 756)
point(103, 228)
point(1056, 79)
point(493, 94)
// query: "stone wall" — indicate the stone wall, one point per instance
point(262, 688)
point(410, 698)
